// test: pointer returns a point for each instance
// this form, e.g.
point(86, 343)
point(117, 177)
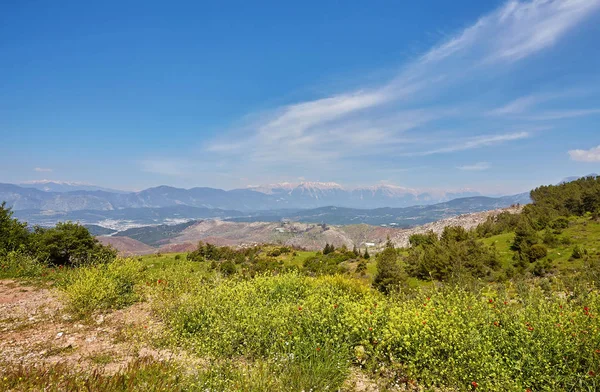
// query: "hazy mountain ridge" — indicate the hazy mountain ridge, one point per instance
point(399, 217)
point(279, 196)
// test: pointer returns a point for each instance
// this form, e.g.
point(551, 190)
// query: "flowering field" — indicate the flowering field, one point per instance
point(503, 338)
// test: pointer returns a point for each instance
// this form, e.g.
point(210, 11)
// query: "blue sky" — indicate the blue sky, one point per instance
point(489, 95)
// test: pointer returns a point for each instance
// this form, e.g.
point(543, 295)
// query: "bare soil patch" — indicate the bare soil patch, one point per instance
point(36, 330)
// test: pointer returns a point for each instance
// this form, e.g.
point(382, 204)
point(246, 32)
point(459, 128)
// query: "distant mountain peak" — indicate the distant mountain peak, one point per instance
point(575, 178)
point(319, 185)
point(71, 183)
point(65, 186)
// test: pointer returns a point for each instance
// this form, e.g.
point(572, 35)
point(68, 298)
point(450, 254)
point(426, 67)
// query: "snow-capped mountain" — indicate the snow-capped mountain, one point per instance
point(56, 196)
point(64, 186)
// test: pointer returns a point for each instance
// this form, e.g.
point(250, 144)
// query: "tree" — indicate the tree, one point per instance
point(389, 271)
point(454, 257)
point(428, 238)
point(355, 251)
point(525, 237)
point(228, 268)
point(327, 249)
point(69, 244)
point(367, 255)
point(13, 234)
point(454, 234)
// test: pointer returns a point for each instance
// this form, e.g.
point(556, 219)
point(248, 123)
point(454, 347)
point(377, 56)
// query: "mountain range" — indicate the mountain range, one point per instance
point(65, 197)
point(45, 203)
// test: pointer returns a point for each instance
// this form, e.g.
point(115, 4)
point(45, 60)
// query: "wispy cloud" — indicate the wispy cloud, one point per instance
point(479, 166)
point(521, 104)
point(475, 142)
point(42, 169)
point(437, 93)
point(591, 155)
point(562, 114)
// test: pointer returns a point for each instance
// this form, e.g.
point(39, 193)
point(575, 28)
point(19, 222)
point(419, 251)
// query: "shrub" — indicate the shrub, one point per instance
point(102, 287)
point(550, 239)
point(13, 234)
point(20, 265)
point(560, 223)
point(578, 252)
point(456, 257)
point(542, 267)
point(536, 252)
point(227, 268)
point(69, 244)
point(325, 264)
point(361, 267)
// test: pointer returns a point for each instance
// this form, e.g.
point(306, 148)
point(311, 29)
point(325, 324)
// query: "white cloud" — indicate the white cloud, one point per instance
point(520, 105)
point(528, 27)
point(562, 114)
point(479, 166)
point(42, 169)
point(475, 142)
point(402, 117)
point(591, 155)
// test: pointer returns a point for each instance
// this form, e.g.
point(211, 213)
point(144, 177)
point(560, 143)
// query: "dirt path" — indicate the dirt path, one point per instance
point(35, 329)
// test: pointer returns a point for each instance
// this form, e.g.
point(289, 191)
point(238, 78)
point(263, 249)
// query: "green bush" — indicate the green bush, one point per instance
point(578, 252)
point(456, 256)
point(69, 244)
point(102, 287)
point(13, 234)
point(20, 265)
point(326, 263)
point(536, 252)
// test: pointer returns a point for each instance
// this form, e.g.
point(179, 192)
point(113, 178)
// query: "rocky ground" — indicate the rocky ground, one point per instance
point(468, 221)
point(35, 330)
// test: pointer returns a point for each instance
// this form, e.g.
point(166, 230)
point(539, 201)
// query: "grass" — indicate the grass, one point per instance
point(144, 374)
point(102, 287)
point(581, 231)
point(291, 332)
point(101, 359)
point(506, 338)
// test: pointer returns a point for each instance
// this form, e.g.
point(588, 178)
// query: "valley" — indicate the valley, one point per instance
point(310, 236)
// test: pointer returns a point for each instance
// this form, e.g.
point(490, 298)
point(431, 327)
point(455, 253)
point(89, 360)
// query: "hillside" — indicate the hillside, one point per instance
point(127, 246)
point(304, 235)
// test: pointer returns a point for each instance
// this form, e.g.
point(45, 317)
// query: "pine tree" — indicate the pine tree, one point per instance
point(366, 255)
point(390, 273)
